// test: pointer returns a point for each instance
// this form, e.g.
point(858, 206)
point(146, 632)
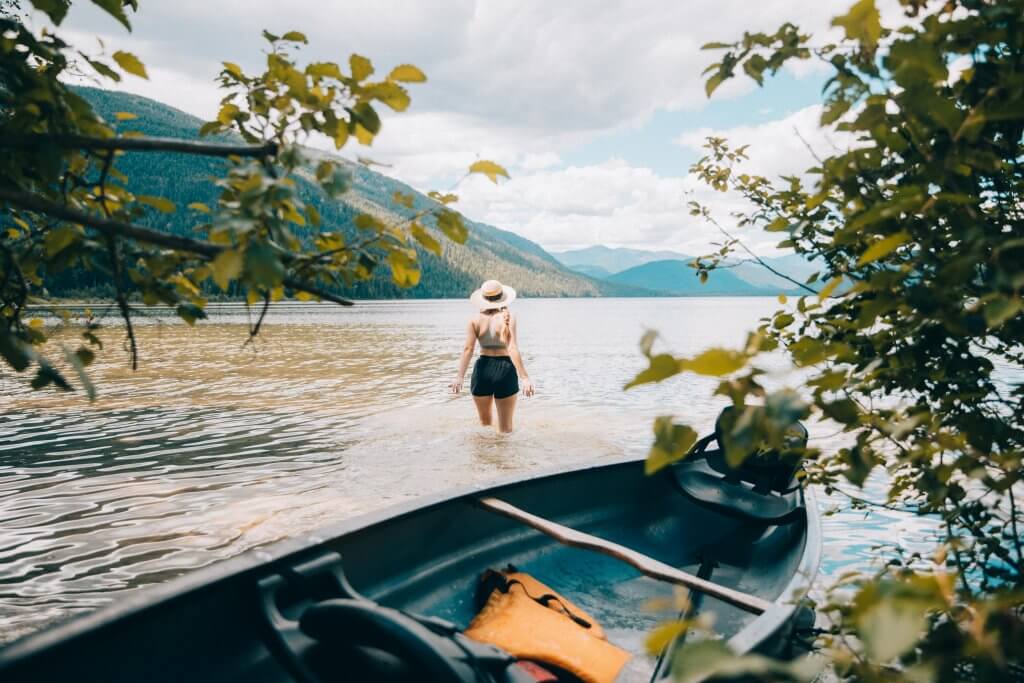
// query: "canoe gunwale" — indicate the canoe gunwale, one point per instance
point(254, 564)
point(775, 619)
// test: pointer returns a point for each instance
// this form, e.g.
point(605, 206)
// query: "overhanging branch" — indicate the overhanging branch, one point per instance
point(141, 144)
point(115, 228)
point(316, 291)
point(110, 226)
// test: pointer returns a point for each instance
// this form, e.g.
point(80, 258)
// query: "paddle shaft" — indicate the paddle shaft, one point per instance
point(644, 563)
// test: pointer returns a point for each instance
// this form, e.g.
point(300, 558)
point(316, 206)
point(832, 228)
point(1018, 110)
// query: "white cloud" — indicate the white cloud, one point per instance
point(516, 69)
point(616, 203)
point(519, 81)
point(612, 203)
point(778, 147)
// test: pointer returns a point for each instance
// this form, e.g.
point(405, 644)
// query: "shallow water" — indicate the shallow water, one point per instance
point(214, 447)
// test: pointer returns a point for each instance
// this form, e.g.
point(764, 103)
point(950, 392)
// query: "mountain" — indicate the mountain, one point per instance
point(676, 277)
point(614, 260)
point(592, 271)
point(488, 253)
point(793, 265)
point(604, 262)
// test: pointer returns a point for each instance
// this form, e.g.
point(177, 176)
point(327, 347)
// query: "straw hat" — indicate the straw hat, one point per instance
point(492, 294)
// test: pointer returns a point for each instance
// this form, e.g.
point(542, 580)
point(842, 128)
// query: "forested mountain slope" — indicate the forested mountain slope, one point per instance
point(488, 253)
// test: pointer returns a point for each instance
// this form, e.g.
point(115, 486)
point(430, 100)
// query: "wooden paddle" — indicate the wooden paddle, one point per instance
point(645, 564)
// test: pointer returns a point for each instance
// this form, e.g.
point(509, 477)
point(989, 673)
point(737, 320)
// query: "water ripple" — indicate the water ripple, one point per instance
point(213, 448)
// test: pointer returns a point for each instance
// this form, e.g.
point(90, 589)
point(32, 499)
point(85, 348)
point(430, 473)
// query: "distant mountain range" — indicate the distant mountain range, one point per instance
point(612, 260)
point(488, 253)
point(670, 272)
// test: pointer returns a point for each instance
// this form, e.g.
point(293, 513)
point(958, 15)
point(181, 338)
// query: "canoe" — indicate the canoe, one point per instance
point(611, 539)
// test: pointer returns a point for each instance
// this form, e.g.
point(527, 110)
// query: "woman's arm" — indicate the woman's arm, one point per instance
point(467, 354)
point(517, 359)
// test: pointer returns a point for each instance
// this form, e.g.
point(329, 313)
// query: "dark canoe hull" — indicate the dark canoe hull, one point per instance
point(425, 557)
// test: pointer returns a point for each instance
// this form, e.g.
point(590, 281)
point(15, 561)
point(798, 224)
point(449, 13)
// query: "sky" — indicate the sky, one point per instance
point(597, 109)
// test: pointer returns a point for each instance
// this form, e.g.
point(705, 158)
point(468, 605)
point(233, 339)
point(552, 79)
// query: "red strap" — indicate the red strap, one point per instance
point(538, 672)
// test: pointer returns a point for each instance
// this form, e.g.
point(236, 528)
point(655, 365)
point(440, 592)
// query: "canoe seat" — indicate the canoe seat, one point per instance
point(321, 629)
point(763, 489)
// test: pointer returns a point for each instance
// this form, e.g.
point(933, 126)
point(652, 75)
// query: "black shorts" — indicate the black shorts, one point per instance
point(494, 376)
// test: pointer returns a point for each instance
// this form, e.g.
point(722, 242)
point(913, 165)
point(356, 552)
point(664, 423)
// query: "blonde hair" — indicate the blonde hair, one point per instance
point(505, 331)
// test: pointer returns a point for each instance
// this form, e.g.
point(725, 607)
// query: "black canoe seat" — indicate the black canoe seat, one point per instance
point(763, 489)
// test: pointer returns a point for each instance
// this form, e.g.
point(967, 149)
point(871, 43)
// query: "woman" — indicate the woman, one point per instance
point(499, 369)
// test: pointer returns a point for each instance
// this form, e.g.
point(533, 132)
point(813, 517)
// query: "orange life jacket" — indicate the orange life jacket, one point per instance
point(528, 620)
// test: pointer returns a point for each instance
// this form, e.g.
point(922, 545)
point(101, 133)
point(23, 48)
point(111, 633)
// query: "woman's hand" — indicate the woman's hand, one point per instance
point(527, 386)
point(456, 386)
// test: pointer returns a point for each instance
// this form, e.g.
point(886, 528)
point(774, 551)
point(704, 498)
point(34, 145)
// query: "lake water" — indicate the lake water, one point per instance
point(214, 447)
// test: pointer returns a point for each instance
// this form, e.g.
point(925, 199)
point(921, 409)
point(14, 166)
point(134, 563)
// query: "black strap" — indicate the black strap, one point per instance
point(492, 580)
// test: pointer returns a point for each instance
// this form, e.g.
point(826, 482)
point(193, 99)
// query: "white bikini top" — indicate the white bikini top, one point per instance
point(489, 338)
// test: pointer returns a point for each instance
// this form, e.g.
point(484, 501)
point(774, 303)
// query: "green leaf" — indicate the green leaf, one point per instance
point(392, 95)
point(102, 69)
point(47, 375)
point(452, 225)
point(843, 410)
point(489, 169)
point(647, 342)
point(712, 84)
point(58, 239)
point(263, 265)
point(404, 270)
point(200, 207)
point(891, 627)
point(664, 635)
point(190, 313)
point(715, 46)
point(426, 239)
point(672, 442)
point(124, 116)
point(13, 349)
point(407, 73)
point(295, 37)
point(827, 290)
point(78, 361)
point(1001, 309)
point(715, 362)
point(114, 8)
point(226, 267)
point(161, 204)
point(210, 127)
point(661, 367)
point(882, 248)
point(56, 10)
point(361, 67)
point(130, 64)
point(862, 23)
point(783, 320)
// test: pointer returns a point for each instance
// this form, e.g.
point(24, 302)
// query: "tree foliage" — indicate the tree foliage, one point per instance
point(68, 208)
point(911, 336)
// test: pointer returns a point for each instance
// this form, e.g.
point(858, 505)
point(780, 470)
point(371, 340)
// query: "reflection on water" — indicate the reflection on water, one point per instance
point(214, 447)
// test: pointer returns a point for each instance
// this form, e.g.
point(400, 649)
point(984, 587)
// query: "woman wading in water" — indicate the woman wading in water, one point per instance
point(499, 369)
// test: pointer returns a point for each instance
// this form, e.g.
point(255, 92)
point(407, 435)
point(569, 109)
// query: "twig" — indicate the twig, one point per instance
point(807, 145)
point(255, 329)
point(757, 258)
point(115, 265)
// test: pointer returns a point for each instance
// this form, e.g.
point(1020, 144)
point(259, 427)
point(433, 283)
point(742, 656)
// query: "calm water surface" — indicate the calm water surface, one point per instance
point(214, 447)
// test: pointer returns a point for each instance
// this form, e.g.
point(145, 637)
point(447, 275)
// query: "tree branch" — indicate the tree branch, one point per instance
point(144, 144)
point(109, 226)
point(316, 291)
